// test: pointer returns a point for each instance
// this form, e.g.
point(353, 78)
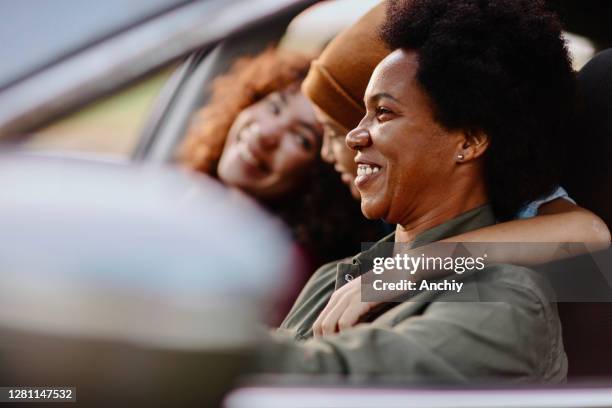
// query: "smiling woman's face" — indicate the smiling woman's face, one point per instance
point(270, 145)
point(405, 158)
point(335, 151)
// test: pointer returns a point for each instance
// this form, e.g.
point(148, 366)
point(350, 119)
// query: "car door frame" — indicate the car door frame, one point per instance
point(118, 61)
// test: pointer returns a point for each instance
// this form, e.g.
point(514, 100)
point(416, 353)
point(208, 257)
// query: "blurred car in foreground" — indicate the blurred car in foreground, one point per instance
point(130, 283)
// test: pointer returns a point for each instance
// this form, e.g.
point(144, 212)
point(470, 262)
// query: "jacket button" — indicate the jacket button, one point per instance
point(348, 277)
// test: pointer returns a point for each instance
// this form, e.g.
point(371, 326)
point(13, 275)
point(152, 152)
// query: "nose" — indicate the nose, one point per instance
point(327, 153)
point(358, 138)
point(267, 137)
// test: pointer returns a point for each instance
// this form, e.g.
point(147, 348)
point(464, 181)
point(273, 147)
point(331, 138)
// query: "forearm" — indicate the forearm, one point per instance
point(534, 240)
point(364, 350)
point(575, 226)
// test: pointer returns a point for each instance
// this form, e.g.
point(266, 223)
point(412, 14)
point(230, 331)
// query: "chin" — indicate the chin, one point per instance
point(371, 210)
point(230, 178)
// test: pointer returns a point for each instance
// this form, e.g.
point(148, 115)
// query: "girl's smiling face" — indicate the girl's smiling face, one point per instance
point(270, 145)
point(335, 151)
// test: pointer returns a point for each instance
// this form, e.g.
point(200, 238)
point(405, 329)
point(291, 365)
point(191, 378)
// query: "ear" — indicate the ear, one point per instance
point(474, 144)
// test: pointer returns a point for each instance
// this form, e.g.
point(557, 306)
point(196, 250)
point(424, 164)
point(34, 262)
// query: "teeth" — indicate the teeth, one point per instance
point(244, 134)
point(248, 156)
point(366, 170)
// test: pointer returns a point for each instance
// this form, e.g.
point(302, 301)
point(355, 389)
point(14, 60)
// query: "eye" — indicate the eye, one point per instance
point(275, 103)
point(304, 141)
point(383, 113)
point(274, 107)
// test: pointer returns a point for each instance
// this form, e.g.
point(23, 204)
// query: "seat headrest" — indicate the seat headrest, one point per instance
point(589, 172)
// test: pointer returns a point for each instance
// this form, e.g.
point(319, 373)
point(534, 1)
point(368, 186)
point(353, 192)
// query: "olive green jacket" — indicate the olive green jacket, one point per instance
point(435, 336)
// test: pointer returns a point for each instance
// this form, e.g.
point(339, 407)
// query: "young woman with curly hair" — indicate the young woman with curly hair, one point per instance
point(259, 134)
point(336, 84)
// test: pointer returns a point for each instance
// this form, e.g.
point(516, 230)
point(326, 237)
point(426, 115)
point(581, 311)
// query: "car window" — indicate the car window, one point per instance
point(109, 126)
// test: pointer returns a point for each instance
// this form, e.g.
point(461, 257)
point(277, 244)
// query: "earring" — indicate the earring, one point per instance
point(460, 157)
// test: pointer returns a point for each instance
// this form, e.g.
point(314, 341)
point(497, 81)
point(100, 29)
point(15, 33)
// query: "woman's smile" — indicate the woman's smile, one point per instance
point(256, 167)
point(253, 161)
point(367, 172)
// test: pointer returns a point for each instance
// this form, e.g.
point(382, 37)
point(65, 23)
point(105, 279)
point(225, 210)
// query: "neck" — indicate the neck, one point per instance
point(462, 199)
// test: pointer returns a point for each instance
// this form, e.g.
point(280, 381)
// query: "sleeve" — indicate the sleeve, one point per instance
point(451, 341)
point(531, 209)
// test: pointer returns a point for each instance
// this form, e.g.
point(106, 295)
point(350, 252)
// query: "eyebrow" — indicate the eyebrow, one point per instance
point(309, 127)
point(381, 95)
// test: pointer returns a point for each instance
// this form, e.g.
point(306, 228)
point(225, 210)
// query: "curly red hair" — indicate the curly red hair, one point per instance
point(249, 80)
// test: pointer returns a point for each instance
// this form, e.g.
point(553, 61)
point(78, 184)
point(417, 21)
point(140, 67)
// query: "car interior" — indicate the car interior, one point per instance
point(587, 326)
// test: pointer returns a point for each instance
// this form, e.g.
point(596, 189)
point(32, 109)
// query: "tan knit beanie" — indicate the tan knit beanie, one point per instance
point(337, 80)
